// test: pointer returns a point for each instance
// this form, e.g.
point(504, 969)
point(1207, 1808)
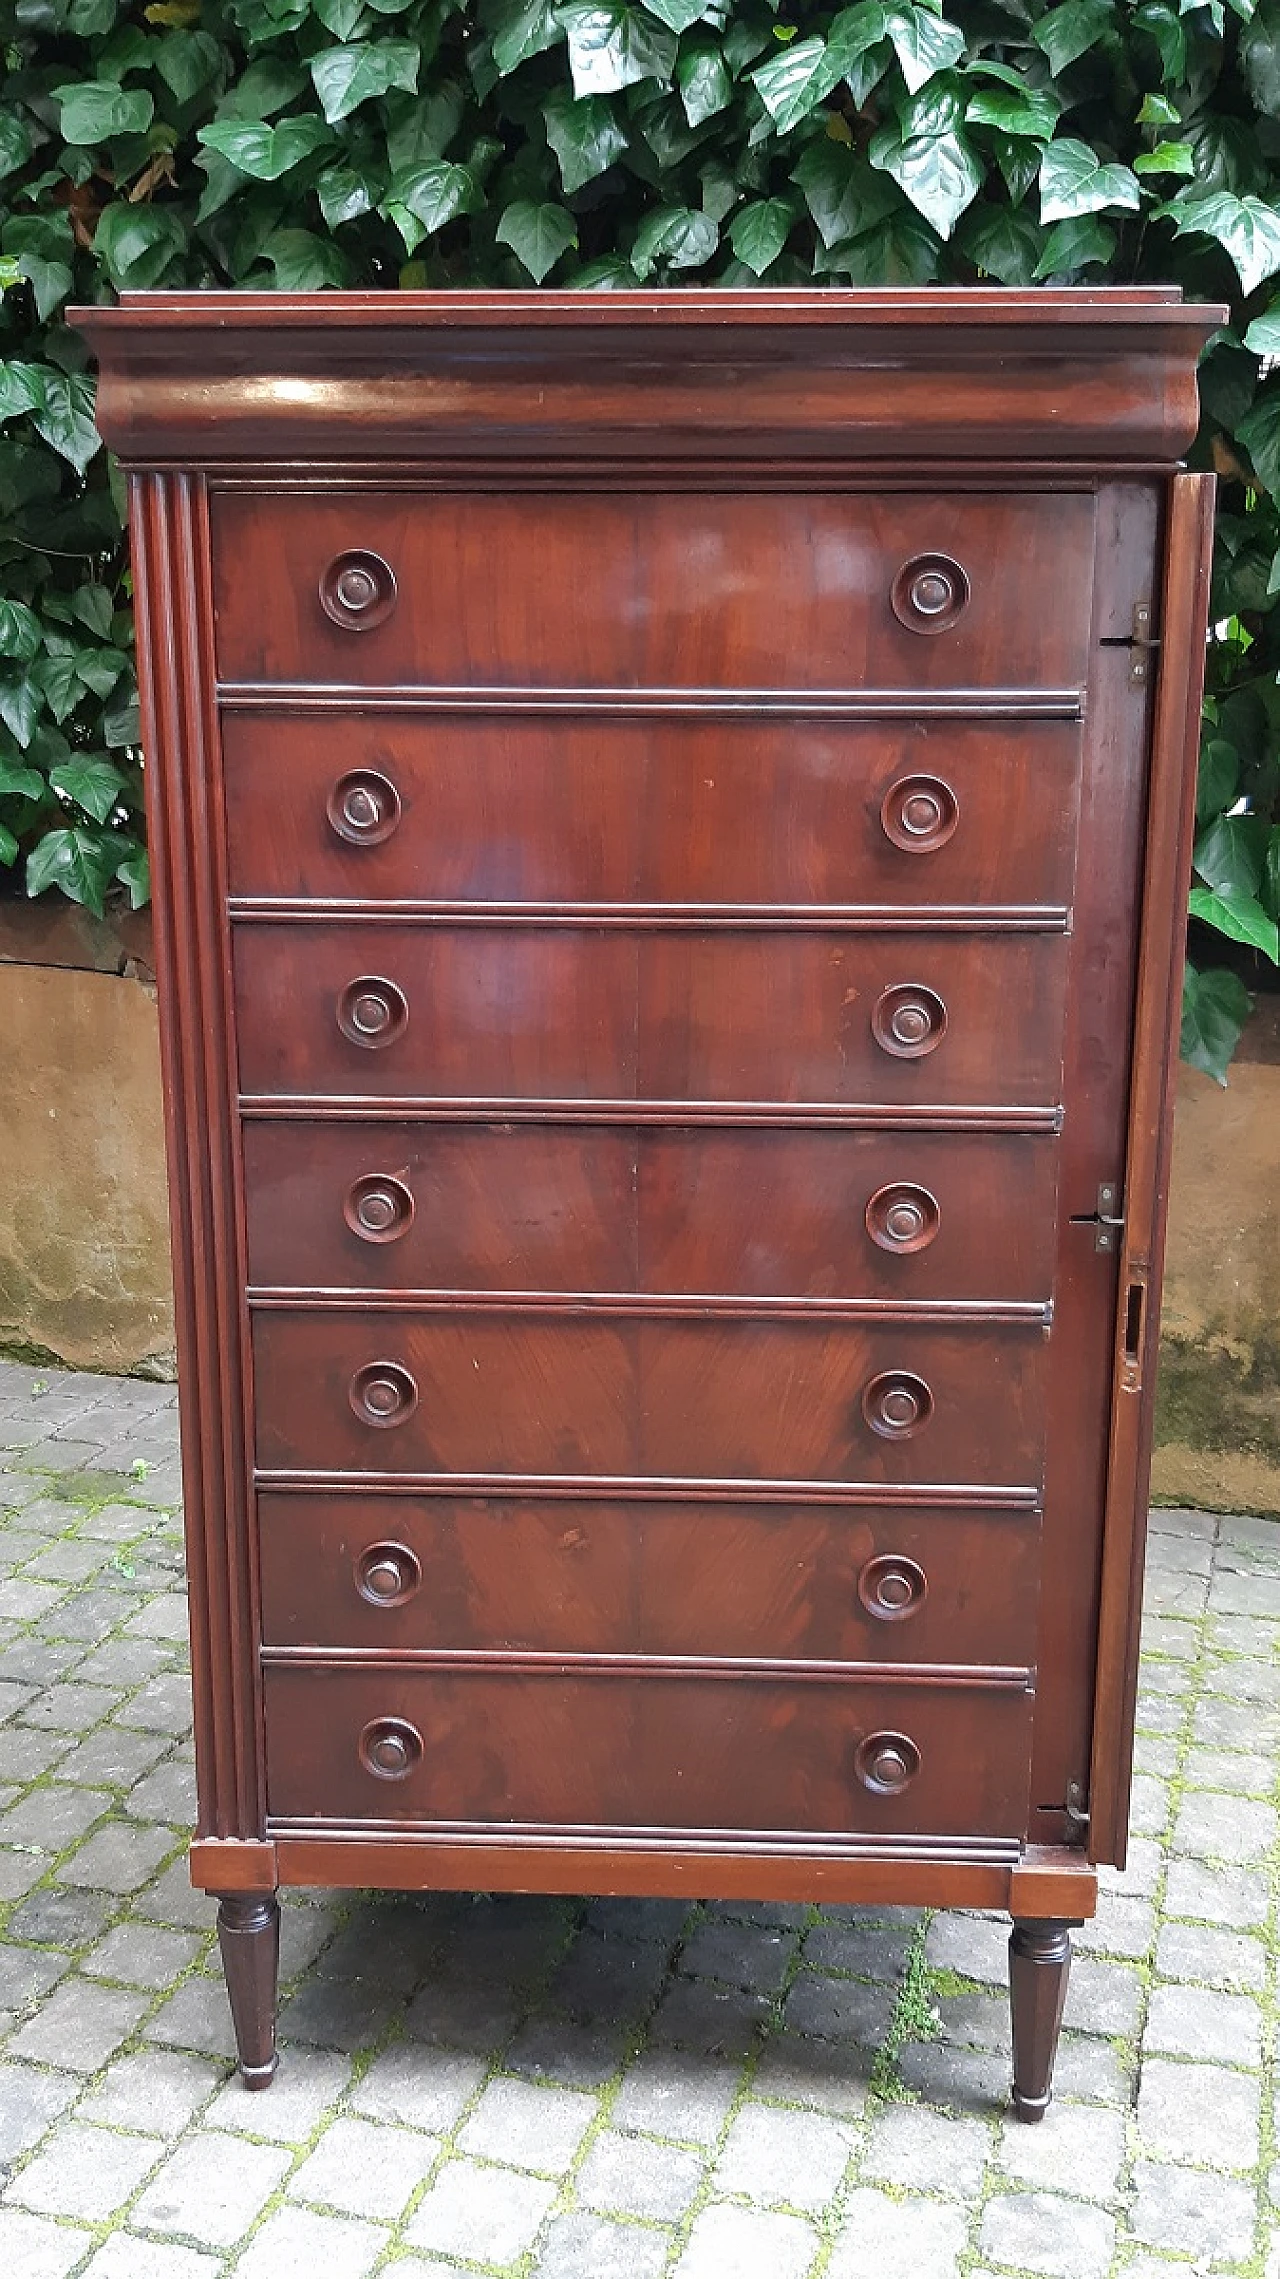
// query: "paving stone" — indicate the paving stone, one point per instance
point(584, 2247)
point(897, 2239)
point(1150, 1805)
point(1140, 1877)
point(658, 1920)
point(979, 2021)
point(162, 1705)
point(668, 2094)
point(143, 1954)
point(969, 2080)
point(306, 2088)
point(167, 1794)
point(1043, 2232)
point(80, 2026)
point(840, 2009)
point(337, 2013)
point(24, 1752)
point(610, 1978)
point(1201, 2114)
point(832, 2077)
point(211, 2189)
point(740, 1954)
point(195, 2018)
point(925, 2151)
point(1179, 1590)
point(85, 2172)
point(1216, 1958)
point(69, 1708)
point(747, 2243)
point(295, 2243)
point(1157, 1753)
point(25, 1601)
point(124, 2256)
point(638, 2176)
point(19, 1870)
point(54, 1817)
point(126, 1662)
point(119, 1858)
point(1234, 1828)
point(864, 1950)
point(365, 2170)
point(1210, 2217)
point(782, 2158)
point(528, 2127)
point(153, 2089)
point(58, 1918)
point(26, 1974)
point(72, 1560)
point(463, 2016)
point(1192, 2021)
point(32, 2248)
point(1233, 1896)
point(112, 1755)
point(972, 1945)
point(508, 1940)
point(1093, 2071)
point(1102, 1998)
point(31, 2099)
point(381, 1941)
point(485, 2215)
point(1254, 1593)
point(720, 2021)
point(1078, 2149)
point(1120, 1927)
point(171, 1898)
point(422, 2088)
point(563, 2050)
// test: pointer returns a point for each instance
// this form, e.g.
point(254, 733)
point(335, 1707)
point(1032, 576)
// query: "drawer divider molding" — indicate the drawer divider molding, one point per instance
point(613, 1487)
point(793, 1116)
point(640, 917)
point(983, 1311)
point(715, 704)
point(1011, 1679)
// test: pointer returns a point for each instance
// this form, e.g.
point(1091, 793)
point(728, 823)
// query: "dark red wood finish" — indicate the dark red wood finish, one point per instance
point(664, 933)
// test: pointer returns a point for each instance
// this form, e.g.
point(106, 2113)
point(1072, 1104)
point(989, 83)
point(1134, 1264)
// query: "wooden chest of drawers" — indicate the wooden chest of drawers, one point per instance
point(670, 820)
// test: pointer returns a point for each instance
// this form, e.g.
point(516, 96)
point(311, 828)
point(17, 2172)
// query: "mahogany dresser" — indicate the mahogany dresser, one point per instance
point(671, 819)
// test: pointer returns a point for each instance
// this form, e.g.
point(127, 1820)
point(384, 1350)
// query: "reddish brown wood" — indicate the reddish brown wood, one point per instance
point(650, 800)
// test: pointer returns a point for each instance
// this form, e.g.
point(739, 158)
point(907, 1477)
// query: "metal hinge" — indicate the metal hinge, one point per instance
point(1107, 1220)
point(1075, 1807)
point(1139, 641)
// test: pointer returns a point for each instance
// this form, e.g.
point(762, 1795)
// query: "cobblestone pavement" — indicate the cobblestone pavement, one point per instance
point(609, 2089)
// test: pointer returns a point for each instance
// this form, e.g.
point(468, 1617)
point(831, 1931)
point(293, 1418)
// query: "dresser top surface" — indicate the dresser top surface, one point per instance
point(995, 376)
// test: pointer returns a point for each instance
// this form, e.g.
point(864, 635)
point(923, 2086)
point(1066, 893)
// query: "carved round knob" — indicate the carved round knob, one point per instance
point(387, 1573)
point(390, 1747)
point(919, 813)
point(363, 807)
point(383, 1394)
point(903, 1218)
point(378, 1208)
point(892, 1588)
point(909, 1020)
point(358, 591)
point(372, 1012)
point(896, 1404)
point(929, 593)
point(886, 1763)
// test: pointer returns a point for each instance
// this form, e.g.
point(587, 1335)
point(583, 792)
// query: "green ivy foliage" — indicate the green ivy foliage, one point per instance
point(323, 143)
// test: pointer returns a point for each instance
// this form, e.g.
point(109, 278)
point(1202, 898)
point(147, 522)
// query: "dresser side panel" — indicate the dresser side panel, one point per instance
point(169, 531)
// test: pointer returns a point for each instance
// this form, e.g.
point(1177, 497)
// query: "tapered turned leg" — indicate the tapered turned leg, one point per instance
point(249, 1936)
point(1039, 1967)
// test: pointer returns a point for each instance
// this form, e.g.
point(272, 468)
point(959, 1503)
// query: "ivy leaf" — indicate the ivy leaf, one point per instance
point(1246, 228)
point(899, 250)
point(1263, 336)
point(341, 17)
point(424, 199)
point(189, 63)
point(678, 15)
point(1260, 61)
point(1259, 431)
point(1034, 112)
point(923, 44)
point(677, 237)
point(120, 727)
point(347, 192)
point(93, 110)
point(792, 84)
point(704, 80)
point(1218, 777)
point(1271, 873)
point(80, 860)
point(94, 784)
point(134, 871)
point(304, 263)
point(759, 231)
point(931, 159)
point(1215, 1007)
point(1075, 245)
point(537, 235)
point(1074, 180)
point(1166, 158)
point(18, 782)
point(520, 29)
point(1239, 916)
point(15, 143)
point(100, 669)
point(1158, 111)
point(1068, 32)
point(8, 847)
point(346, 77)
point(841, 191)
point(50, 281)
point(55, 675)
point(612, 46)
point(265, 153)
point(137, 244)
point(1019, 162)
point(266, 86)
point(585, 135)
point(1229, 856)
point(1002, 242)
point(64, 417)
point(20, 706)
point(19, 631)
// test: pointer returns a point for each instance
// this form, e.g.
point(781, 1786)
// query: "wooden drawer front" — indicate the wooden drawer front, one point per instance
point(587, 1750)
point(532, 1394)
point(526, 1012)
point(763, 1214)
point(509, 1574)
point(652, 591)
point(474, 808)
